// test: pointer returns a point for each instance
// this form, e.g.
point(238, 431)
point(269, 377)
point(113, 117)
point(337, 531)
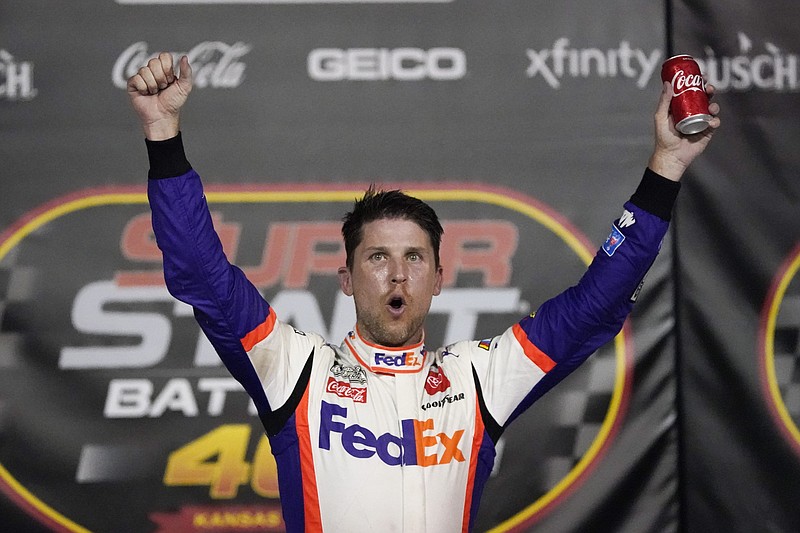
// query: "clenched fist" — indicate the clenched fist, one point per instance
point(157, 95)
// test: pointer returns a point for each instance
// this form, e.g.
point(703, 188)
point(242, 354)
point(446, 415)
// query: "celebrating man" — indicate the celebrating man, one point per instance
point(354, 448)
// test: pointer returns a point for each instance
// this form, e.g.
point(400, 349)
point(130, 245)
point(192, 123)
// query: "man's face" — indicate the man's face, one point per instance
point(393, 280)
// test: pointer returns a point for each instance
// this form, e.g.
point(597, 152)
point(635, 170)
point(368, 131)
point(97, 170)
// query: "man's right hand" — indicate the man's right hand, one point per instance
point(157, 95)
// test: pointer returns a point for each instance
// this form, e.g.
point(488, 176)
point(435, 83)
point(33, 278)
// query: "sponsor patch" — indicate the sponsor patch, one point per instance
point(343, 389)
point(627, 219)
point(397, 360)
point(445, 400)
point(419, 442)
point(353, 374)
point(614, 240)
point(436, 381)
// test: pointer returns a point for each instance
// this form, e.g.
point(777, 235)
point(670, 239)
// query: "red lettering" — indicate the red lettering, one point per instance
point(295, 251)
point(308, 258)
point(268, 272)
point(485, 246)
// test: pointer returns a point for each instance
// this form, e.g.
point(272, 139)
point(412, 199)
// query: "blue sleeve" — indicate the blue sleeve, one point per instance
point(226, 305)
point(574, 324)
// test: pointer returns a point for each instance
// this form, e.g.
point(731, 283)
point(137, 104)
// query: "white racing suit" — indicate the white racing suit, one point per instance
point(375, 439)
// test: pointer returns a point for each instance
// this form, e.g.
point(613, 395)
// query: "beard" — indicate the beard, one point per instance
point(390, 333)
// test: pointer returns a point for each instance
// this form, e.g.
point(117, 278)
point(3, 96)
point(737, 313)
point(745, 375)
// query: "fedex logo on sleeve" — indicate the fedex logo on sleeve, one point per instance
point(418, 443)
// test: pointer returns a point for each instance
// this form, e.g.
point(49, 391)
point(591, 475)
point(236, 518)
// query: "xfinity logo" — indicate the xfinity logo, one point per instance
point(561, 61)
point(378, 64)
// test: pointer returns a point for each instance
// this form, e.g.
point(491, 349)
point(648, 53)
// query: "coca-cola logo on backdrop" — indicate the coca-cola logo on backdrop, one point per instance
point(215, 64)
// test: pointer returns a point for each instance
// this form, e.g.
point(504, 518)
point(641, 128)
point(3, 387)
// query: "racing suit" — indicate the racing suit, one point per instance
point(370, 438)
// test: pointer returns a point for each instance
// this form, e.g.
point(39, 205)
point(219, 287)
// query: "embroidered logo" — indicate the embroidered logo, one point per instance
point(343, 389)
point(626, 220)
point(436, 381)
point(613, 241)
point(353, 374)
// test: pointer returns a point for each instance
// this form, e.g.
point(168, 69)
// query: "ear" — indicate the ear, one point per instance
point(437, 281)
point(345, 280)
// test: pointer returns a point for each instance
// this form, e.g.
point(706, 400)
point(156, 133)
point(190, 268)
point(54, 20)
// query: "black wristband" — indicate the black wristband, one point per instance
point(167, 158)
point(656, 194)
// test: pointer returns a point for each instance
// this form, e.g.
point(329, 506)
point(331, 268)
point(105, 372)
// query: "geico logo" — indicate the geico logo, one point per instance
point(404, 359)
point(409, 448)
point(370, 64)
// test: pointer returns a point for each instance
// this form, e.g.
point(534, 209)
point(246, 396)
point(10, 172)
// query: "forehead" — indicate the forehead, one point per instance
point(391, 232)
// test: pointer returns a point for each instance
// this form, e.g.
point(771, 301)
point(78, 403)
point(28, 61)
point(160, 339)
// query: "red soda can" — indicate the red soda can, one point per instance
point(689, 106)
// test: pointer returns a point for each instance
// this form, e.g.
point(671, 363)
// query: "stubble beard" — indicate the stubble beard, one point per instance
point(389, 333)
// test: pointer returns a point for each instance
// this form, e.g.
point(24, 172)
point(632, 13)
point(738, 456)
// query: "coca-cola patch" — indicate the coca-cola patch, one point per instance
point(436, 381)
point(343, 389)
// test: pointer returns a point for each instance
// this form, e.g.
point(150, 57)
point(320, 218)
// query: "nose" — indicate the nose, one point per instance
point(398, 272)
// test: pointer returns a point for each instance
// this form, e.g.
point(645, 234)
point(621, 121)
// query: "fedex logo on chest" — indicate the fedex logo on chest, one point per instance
point(419, 443)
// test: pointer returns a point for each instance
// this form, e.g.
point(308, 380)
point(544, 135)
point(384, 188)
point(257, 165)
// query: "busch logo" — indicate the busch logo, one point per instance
point(342, 389)
point(16, 78)
point(682, 82)
point(436, 381)
point(214, 64)
point(350, 373)
point(408, 448)
point(772, 70)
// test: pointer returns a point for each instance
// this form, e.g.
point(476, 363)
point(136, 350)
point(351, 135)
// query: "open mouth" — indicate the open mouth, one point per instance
point(396, 303)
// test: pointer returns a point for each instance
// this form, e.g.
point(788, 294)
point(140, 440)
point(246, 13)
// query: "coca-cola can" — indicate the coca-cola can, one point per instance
point(689, 106)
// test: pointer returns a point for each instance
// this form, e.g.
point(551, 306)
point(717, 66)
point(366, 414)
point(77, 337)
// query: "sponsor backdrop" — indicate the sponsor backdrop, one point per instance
point(525, 123)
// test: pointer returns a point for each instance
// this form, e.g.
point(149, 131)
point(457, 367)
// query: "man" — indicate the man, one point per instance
point(355, 449)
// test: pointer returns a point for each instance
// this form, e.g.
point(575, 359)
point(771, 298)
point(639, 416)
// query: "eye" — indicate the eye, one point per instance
point(414, 256)
point(378, 256)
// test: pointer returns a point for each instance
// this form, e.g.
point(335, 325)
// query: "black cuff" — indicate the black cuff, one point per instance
point(656, 194)
point(167, 158)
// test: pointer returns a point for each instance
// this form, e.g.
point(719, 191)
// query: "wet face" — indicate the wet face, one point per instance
point(393, 280)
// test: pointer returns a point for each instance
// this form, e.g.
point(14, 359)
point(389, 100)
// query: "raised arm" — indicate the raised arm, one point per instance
point(546, 346)
point(234, 316)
